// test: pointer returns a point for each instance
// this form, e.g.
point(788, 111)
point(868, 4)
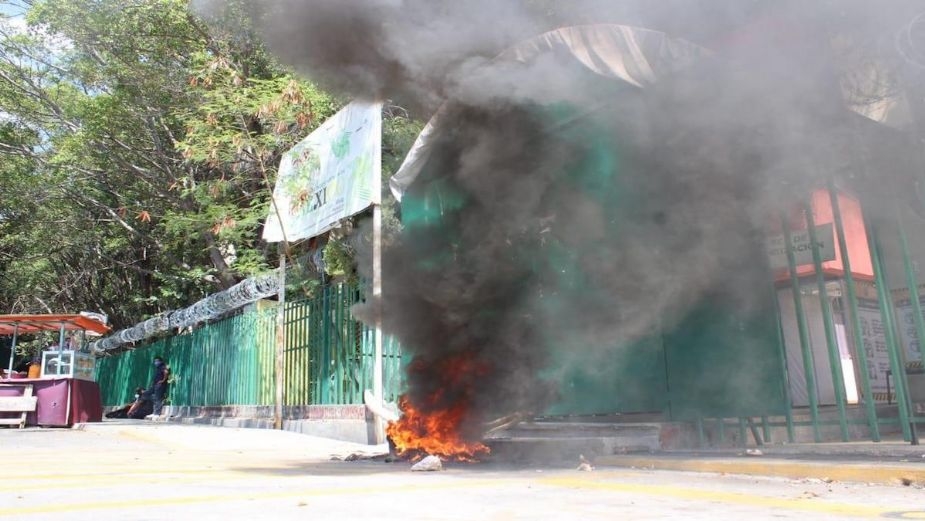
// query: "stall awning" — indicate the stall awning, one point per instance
point(26, 324)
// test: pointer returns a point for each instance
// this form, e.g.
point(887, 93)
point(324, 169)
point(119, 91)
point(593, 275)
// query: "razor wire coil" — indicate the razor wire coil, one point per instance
point(213, 306)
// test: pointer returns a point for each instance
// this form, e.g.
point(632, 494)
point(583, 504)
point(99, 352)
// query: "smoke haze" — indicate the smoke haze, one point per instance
point(579, 213)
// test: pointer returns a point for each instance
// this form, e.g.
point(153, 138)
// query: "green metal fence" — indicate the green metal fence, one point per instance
point(329, 355)
point(329, 358)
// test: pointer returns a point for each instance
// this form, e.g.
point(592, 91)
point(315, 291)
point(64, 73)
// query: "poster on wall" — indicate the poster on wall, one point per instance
point(874, 349)
point(801, 246)
point(908, 335)
point(328, 176)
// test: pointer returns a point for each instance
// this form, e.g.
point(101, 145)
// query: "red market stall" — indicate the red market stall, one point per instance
point(65, 388)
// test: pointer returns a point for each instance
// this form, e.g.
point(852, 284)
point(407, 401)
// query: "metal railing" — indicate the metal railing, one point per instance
point(840, 414)
point(329, 358)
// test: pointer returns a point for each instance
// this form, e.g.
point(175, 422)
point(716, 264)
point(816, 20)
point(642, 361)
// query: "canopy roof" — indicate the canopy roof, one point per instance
point(25, 324)
point(633, 55)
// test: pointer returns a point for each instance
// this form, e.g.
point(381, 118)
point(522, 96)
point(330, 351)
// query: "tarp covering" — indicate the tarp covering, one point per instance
point(636, 56)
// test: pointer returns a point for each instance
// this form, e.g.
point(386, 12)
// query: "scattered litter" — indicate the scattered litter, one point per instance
point(906, 482)
point(428, 464)
point(356, 456)
point(827, 480)
point(754, 452)
point(302, 504)
point(584, 464)
point(808, 495)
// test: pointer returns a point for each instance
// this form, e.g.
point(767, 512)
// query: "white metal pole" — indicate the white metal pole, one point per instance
point(9, 373)
point(280, 338)
point(377, 284)
point(377, 299)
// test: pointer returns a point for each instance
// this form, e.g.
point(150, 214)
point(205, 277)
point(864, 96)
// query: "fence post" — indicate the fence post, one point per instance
point(869, 405)
point(280, 340)
point(886, 317)
point(809, 369)
point(838, 379)
point(912, 284)
point(782, 354)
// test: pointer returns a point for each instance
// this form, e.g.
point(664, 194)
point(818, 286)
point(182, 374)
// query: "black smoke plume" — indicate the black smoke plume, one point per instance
point(569, 213)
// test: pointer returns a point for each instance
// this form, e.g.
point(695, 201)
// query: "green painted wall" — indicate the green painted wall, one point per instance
point(718, 360)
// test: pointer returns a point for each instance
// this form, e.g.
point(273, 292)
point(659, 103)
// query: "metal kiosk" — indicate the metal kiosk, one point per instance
point(66, 390)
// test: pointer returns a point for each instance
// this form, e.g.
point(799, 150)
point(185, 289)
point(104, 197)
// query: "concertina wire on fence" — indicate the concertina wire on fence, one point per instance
point(213, 306)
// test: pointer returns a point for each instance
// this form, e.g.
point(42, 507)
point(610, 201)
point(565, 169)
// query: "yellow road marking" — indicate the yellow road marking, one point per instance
point(187, 500)
point(95, 481)
point(855, 472)
point(701, 495)
point(117, 472)
point(155, 475)
point(591, 483)
point(149, 475)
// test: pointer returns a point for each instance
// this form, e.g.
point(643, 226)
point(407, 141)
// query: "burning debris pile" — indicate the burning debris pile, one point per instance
point(578, 190)
point(436, 433)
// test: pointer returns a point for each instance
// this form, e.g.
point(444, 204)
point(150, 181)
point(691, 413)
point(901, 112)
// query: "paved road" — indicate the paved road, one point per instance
point(144, 471)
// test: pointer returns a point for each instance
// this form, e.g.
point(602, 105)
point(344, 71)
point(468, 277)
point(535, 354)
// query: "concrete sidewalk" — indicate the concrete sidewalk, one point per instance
point(143, 471)
point(885, 463)
point(876, 463)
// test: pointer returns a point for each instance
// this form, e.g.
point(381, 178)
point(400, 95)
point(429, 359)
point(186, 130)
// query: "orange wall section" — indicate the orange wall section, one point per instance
point(855, 236)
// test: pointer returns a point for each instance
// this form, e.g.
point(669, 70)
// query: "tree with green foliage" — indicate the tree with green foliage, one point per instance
point(140, 142)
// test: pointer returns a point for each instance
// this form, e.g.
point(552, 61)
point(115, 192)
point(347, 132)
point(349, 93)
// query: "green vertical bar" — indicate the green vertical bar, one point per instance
point(305, 350)
point(292, 381)
point(809, 368)
point(245, 333)
point(782, 355)
point(306, 369)
point(326, 346)
point(886, 316)
point(296, 375)
point(338, 345)
point(289, 355)
point(313, 350)
point(838, 378)
point(743, 434)
point(722, 430)
point(253, 376)
point(349, 347)
point(227, 362)
point(912, 284)
point(298, 350)
point(343, 328)
point(870, 406)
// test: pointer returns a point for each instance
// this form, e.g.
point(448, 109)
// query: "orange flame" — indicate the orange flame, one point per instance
point(435, 429)
point(436, 433)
